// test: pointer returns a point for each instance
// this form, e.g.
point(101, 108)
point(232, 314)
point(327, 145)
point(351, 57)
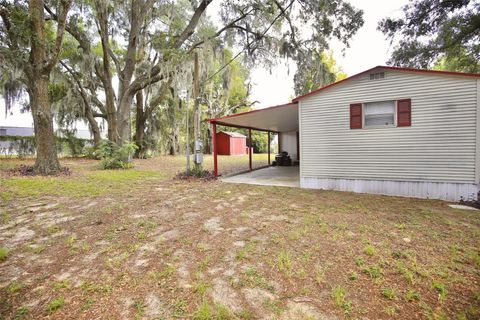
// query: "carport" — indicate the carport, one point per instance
point(281, 120)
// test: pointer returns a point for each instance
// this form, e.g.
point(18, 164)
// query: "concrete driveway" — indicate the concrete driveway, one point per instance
point(271, 176)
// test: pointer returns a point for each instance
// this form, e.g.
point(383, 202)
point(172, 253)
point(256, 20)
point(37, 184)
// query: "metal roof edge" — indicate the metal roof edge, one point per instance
point(401, 69)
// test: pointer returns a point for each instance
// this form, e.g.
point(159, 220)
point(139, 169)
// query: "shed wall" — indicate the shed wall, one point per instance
point(238, 146)
point(440, 146)
point(288, 142)
point(223, 144)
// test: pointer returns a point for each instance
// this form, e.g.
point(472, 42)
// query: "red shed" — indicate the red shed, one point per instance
point(231, 143)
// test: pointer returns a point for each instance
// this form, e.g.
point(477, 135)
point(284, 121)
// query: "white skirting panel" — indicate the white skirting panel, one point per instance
point(415, 189)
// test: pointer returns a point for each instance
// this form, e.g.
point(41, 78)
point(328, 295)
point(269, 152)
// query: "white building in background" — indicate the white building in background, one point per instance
point(6, 147)
point(28, 132)
point(16, 131)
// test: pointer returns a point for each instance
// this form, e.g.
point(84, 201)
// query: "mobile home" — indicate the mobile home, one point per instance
point(387, 130)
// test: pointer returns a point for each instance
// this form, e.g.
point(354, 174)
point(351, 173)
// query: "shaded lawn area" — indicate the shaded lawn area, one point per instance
point(138, 244)
point(88, 180)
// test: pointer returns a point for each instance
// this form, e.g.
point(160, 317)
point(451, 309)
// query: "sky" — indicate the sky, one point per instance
point(368, 48)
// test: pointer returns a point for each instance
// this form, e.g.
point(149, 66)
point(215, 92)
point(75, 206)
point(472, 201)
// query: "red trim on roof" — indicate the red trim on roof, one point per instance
point(451, 73)
point(253, 111)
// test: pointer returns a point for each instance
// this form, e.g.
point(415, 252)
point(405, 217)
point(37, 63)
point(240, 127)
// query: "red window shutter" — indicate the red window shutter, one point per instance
point(404, 113)
point(356, 116)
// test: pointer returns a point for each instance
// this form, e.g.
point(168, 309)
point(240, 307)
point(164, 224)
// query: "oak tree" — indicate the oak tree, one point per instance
point(26, 45)
point(442, 32)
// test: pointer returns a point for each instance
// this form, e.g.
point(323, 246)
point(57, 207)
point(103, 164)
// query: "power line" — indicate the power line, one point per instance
point(248, 45)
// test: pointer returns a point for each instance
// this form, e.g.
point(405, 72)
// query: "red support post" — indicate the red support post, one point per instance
point(268, 134)
point(214, 143)
point(250, 148)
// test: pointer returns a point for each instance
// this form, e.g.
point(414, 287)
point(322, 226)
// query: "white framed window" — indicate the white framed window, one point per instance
point(380, 113)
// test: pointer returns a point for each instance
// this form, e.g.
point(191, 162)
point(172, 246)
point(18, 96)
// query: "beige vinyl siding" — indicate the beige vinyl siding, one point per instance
point(439, 146)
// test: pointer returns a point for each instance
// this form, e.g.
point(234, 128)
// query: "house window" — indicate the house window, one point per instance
point(379, 113)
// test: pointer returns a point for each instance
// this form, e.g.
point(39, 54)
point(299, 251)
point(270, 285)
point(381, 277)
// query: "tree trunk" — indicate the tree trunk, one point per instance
point(90, 118)
point(140, 126)
point(94, 128)
point(47, 161)
point(112, 130)
point(174, 137)
point(208, 141)
point(123, 116)
point(126, 95)
point(106, 76)
point(174, 142)
point(173, 150)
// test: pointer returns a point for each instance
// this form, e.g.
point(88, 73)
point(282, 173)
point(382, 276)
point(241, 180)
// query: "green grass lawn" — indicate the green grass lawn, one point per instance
point(89, 180)
point(138, 244)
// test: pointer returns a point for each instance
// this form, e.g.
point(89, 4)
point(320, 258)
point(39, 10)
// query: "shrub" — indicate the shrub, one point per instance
point(67, 143)
point(114, 157)
point(90, 152)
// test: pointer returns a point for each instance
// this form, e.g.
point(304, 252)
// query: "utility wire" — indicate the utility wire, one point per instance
point(248, 45)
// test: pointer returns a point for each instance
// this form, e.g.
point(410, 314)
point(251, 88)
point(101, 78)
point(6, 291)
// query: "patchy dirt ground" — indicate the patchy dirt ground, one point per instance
point(136, 244)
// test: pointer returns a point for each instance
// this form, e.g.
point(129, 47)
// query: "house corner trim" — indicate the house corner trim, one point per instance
point(477, 137)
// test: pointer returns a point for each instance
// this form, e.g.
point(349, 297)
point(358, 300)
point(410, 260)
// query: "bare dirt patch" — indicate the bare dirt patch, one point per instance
point(28, 170)
point(142, 245)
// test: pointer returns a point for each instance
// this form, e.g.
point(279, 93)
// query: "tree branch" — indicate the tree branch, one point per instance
point(99, 115)
point(116, 62)
point(230, 25)
point(190, 29)
point(8, 26)
point(61, 24)
point(256, 40)
point(153, 75)
point(287, 17)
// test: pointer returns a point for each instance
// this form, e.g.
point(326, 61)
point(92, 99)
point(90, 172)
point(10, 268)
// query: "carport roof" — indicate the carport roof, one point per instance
point(281, 118)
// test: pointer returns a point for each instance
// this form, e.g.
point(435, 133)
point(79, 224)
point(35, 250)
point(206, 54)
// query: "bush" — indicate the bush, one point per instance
point(67, 143)
point(90, 152)
point(114, 157)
